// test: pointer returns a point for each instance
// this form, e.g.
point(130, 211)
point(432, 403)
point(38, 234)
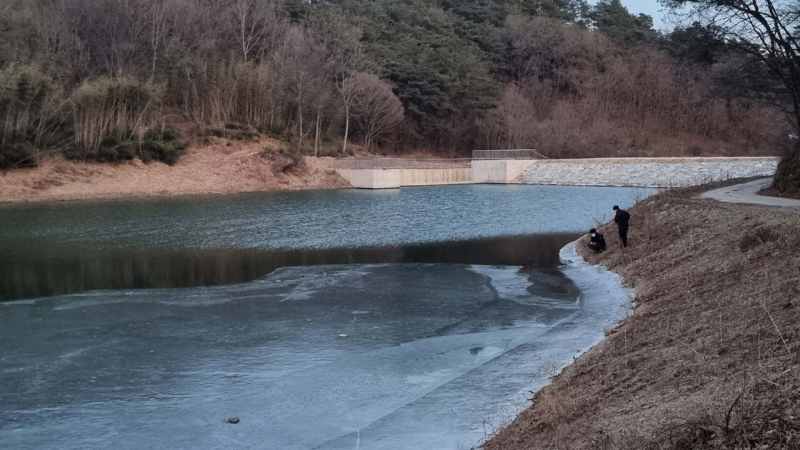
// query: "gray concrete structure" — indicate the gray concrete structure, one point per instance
point(499, 171)
point(395, 178)
point(634, 172)
point(432, 177)
point(372, 178)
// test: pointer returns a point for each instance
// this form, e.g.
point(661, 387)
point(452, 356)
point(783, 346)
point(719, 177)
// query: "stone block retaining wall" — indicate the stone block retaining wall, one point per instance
point(645, 172)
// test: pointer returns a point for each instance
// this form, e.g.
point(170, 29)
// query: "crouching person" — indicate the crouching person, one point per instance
point(596, 241)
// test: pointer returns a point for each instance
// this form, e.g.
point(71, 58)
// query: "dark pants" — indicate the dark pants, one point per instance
point(596, 247)
point(623, 235)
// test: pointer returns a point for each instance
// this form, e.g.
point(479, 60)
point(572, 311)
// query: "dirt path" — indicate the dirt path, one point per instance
point(747, 193)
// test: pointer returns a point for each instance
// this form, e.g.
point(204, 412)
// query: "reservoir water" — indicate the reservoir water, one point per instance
point(418, 318)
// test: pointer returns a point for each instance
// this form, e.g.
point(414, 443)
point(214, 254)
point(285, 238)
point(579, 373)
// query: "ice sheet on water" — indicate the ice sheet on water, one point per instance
point(292, 283)
point(431, 352)
point(517, 285)
point(463, 412)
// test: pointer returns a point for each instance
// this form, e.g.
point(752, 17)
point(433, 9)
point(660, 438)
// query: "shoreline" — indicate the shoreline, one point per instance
point(122, 197)
point(225, 168)
point(708, 313)
point(220, 168)
point(604, 302)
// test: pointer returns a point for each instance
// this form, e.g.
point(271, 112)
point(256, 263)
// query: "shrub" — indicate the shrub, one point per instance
point(245, 136)
point(787, 177)
point(28, 101)
point(235, 126)
point(235, 132)
point(285, 160)
point(156, 145)
point(161, 134)
point(107, 154)
point(117, 107)
point(161, 144)
point(216, 132)
point(328, 150)
point(166, 152)
point(755, 238)
point(20, 154)
point(127, 151)
point(293, 160)
point(276, 130)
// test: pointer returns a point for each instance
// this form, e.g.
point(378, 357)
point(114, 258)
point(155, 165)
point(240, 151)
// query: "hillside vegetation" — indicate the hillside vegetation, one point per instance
point(110, 80)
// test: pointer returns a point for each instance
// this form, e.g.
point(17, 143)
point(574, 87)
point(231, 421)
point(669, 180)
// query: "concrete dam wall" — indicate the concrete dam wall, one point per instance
point(640, 172)
point(371, 178)
point(395, 178)
point(432, 177)
point(499, 171)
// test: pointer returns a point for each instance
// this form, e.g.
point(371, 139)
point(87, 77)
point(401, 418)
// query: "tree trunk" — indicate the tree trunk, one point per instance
point(300, 115)
point(316, 134)
point(346, 126)
point(368, 142)
point(153, 72)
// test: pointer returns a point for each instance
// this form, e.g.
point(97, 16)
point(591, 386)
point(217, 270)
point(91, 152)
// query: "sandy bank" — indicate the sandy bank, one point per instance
point(219, 168)
point(709, 358)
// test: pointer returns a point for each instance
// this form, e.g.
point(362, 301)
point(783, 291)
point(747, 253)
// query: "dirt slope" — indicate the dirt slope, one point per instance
point(220, 167)
point(710, 358)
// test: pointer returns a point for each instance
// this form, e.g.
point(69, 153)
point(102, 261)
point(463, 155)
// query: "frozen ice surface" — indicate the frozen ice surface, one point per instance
point(436, 356)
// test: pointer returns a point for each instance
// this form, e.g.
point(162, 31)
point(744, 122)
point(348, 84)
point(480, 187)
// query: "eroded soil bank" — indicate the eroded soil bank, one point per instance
point(710, 357)
point(221, 167)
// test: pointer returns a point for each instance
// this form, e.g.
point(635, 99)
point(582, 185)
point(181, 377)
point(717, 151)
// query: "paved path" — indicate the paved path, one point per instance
point(748, 193)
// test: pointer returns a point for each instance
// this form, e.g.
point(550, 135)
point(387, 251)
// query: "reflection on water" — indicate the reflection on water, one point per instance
point(58, 269)
point(314, 220)
point(54, 249)
point(338, 347)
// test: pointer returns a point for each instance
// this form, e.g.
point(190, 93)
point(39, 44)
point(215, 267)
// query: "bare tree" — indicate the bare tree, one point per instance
point(155, 14)
point(305, 67)
point(766, 30)
point(251, 21)
point(375, 107)
point(342, 44)
point(348, 89)
point(518, 115)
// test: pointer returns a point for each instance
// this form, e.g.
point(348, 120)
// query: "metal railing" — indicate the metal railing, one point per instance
point(402, 163)
point(434, 163)
point(367, 163)
point(507, 154)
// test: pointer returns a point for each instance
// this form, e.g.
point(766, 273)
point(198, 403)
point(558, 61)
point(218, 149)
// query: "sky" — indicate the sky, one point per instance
point(649, 7)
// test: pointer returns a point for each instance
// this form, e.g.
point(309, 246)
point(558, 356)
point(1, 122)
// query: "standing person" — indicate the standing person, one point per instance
point(621, 218)
point(596, 241)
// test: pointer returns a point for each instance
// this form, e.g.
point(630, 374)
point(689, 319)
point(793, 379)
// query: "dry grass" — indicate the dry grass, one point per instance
point(710, 358)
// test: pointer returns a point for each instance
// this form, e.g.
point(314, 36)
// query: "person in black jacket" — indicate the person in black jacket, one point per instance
point(596, 241)
point(621, 218)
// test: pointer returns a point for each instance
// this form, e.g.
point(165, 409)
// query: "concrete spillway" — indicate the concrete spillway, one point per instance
point(396, 178)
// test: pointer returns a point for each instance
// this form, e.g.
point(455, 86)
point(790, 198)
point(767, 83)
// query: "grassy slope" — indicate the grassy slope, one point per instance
point(710, 358)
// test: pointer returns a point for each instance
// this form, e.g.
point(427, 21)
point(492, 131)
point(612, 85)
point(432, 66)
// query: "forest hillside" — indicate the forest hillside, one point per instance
point(111, 80)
